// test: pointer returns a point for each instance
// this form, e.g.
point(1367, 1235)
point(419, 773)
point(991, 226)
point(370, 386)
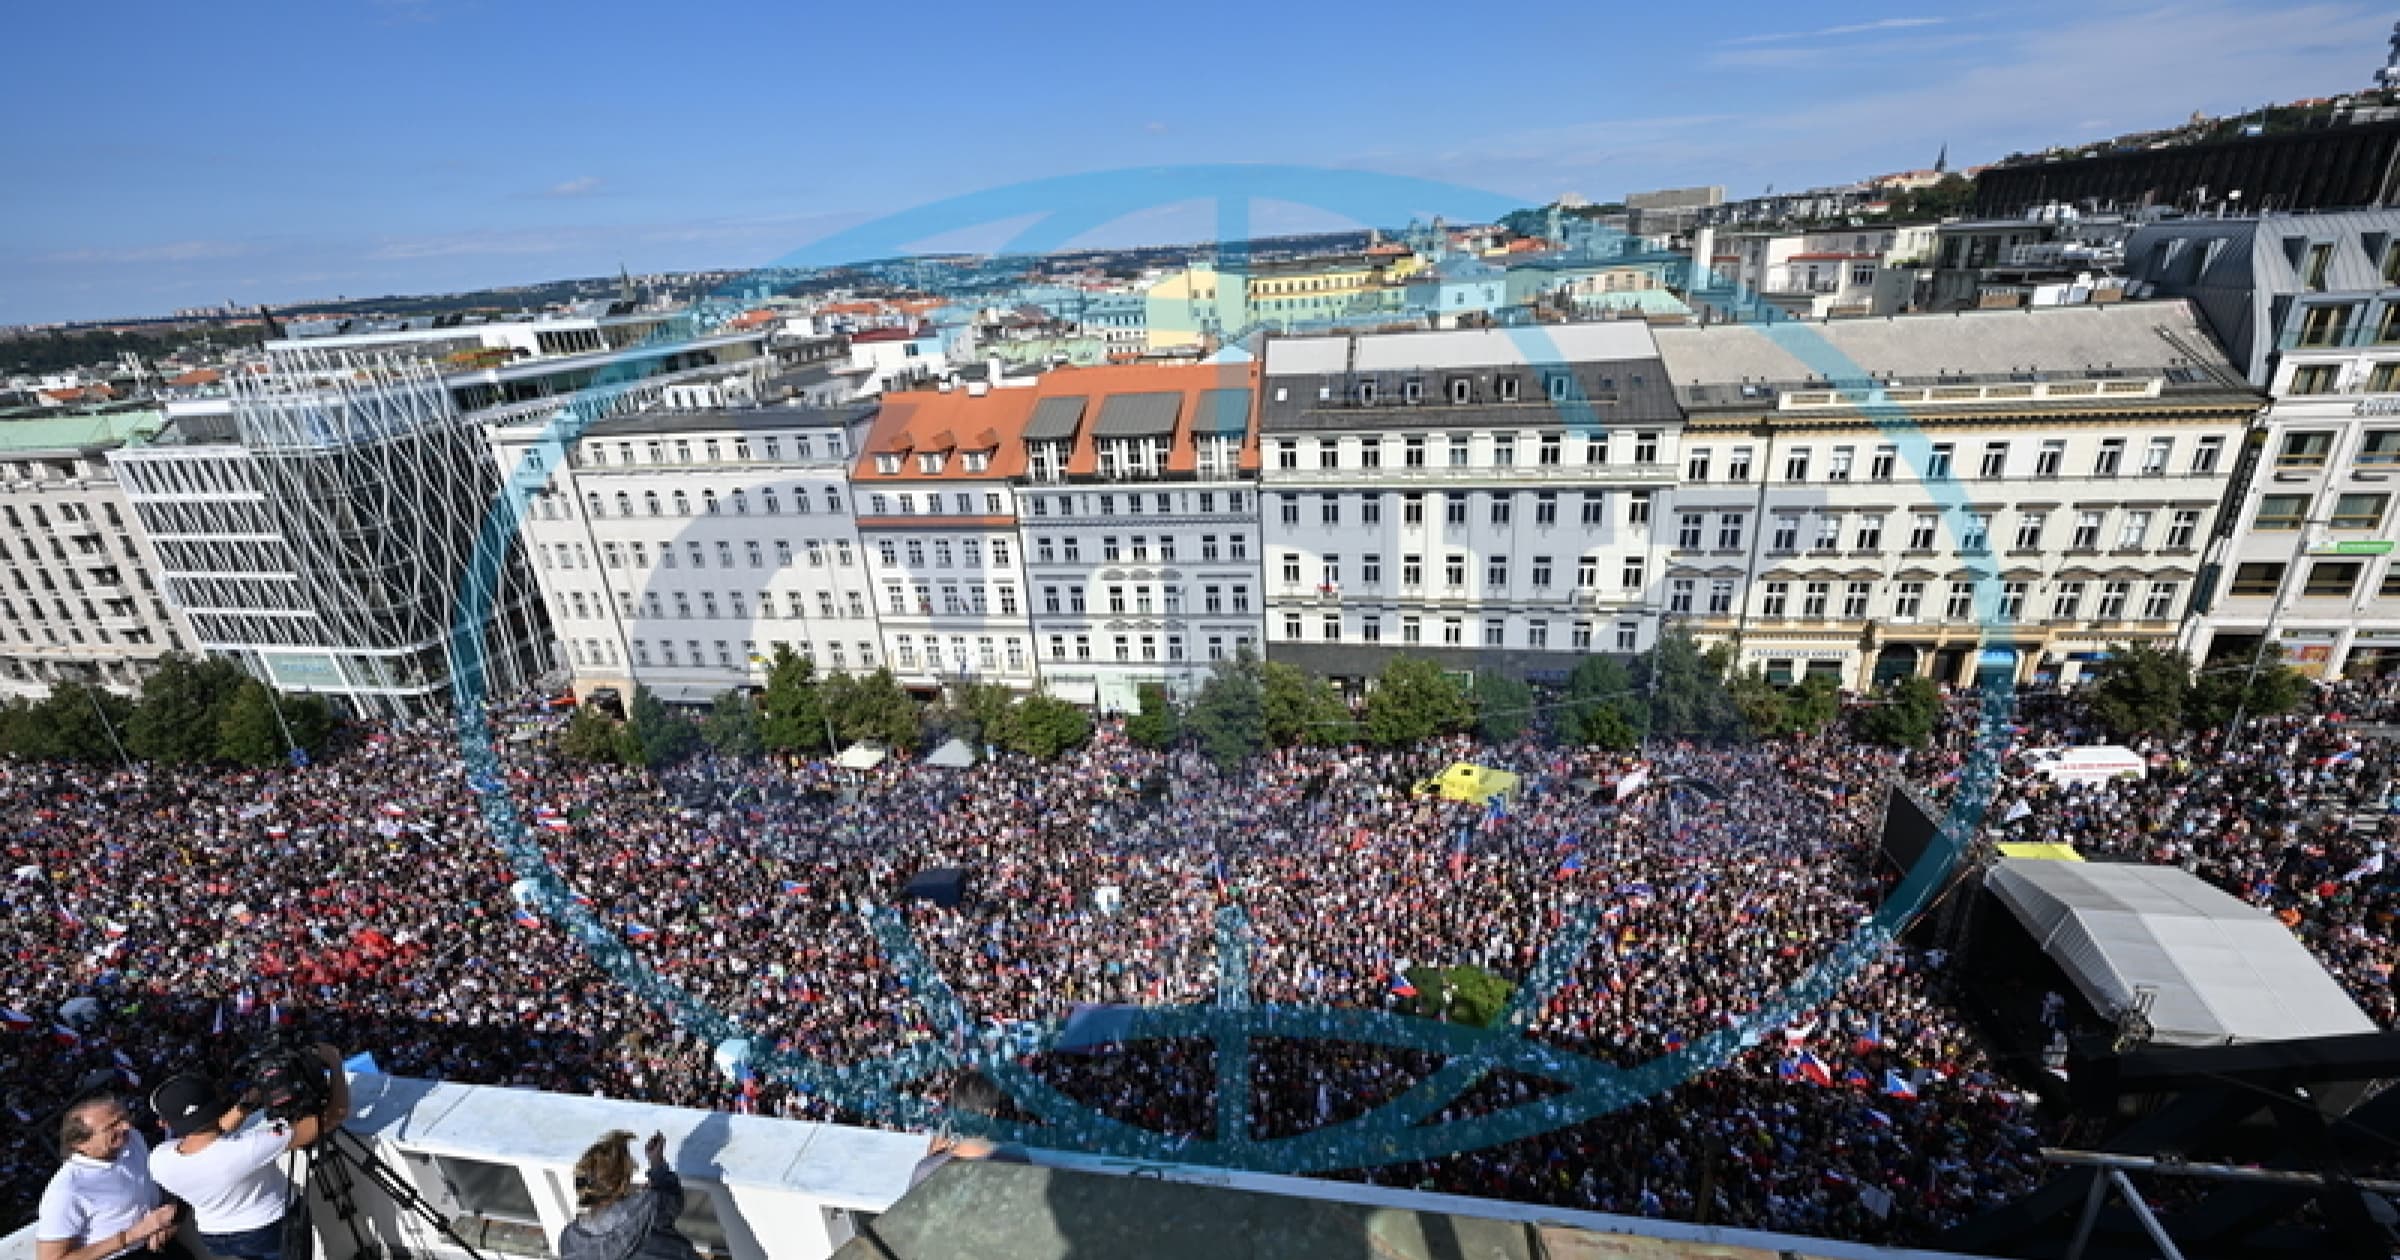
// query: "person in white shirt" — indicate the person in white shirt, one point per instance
point(102, 1203)
point(239, 1197)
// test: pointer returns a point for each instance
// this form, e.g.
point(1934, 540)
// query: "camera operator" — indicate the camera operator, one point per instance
point(239, 1196)
point(102, 1203)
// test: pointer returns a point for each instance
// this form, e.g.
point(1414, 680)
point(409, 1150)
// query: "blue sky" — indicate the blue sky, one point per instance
point(180, 155)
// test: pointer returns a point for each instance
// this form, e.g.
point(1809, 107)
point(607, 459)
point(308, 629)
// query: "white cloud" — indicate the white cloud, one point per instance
point(580, 186)
point(1833, 32)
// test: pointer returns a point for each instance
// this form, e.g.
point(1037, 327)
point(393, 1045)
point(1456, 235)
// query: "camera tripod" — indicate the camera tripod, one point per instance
point(331, 1164)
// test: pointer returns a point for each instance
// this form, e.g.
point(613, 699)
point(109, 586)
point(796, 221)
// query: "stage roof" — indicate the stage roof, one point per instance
point(2225, 971)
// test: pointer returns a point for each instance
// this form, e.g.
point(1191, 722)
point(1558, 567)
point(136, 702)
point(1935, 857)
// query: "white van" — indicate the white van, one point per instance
point(2095, 763)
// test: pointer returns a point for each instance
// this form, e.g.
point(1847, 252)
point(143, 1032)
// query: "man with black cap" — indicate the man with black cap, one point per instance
point(229, 1175)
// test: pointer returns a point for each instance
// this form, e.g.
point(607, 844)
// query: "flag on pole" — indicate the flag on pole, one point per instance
point(794, 888)
point(1401, 986)
point(14, 1020)
point(1872, 1038)
point(65, 1036)
point(527, 918)
point(638, 932)
point(1813, 1069)
point(1898, 1086)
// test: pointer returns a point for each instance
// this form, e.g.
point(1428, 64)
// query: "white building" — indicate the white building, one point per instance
point(678, 549)
point(1829, 271)
point(1139, 510)
point(937, 517)
point(321, 525)
point(79, 603)
point(1486, 498)
point(888, 359)
point(2309, 306)
point(2011, 491)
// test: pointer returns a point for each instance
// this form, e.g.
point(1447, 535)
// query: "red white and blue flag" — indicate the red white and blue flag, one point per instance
point(1401, 987)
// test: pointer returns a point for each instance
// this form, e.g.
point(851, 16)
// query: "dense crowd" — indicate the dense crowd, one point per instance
point(365, 899)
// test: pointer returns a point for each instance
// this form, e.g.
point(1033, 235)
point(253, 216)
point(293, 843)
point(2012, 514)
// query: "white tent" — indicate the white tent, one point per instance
point(2225, 971)
point(954, 755)
point(860, 757)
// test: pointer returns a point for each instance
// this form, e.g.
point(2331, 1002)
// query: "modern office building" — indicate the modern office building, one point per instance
point(2009, 491)
point(79, 603)
point(1482, 497)
point(937, 519)
point(2308, 305)
point(321, 524)
point(677, 549)
point(1138, 504)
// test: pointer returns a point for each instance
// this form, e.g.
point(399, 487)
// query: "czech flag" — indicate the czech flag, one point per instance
point(1675, 1041)
point(638, 932)
point(1898, 1086)
point(392, 810)
point(1573, 865)
point(65, 1036)
point(1872, 1038)
point(794, 888)
point(556, 823)
point(14, 1020)
point(528, 919)
point(1402, 988)
point(1812, 1069)
point(1855, 1079)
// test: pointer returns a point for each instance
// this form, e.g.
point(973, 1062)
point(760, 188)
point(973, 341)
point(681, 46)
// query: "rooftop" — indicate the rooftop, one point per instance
point(741, 420)
point(1463, 348)
point(77, 433)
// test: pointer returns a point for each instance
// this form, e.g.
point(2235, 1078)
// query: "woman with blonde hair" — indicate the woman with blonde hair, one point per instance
point(613, 1221)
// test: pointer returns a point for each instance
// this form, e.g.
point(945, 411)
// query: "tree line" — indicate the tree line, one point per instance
point(190, 711)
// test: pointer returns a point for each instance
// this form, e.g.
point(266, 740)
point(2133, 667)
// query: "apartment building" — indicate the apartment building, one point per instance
point(321, 525)
point(677, 549)
point(1831, 271)
point(79, 604)
point(2004, 492)
point(1483, 497)
point(937, 521)
point(2309, 307)
point(1138, 502)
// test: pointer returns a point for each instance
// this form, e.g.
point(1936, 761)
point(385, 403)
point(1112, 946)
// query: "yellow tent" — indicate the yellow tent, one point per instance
point(2041, 852)
point(1465, 781)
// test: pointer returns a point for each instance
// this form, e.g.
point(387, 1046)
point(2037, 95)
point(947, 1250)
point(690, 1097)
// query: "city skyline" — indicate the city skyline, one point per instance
point(493, 173)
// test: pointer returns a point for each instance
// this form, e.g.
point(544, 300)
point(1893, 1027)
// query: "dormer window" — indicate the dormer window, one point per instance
point(1412, 391)
point(887, 464)
point(1558, 383)
point(978, 461)
point(930, 462)
point(1366, 392)
point(1507, 387)
point(1462, 389)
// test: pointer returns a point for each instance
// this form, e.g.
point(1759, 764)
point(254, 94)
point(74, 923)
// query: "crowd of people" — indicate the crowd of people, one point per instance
point(160, 919)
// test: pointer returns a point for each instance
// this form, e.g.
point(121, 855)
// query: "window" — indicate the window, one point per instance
point(1645, 447)
point(1634, 572)
point(1595, 509)
point(2181, 528)
point(1549, 457)
point(2304, 450)
point(1879, 468)
point(2087, 532)
point(1291, 568)
point(1291, 509)
point(1695, 464)
point(1787, 534)
point(2320, 256)
point(1454, 509)
point(1370, 571)
point(2012, 600)
point(1329, 453)
point(2315, 378)
point(1772, 603)
point(2156, 455)
point(1795, 464)
point(1329, 509)
point(1687, 530)
point(2332, 579)
point(1579, 636)
point(1458, 450)
point(1937, 463)
point(2384, 378)
point(1977, 535)
point(1412, 571)
point(1960, 604)
point(2029, 529)
point(1287, 453)
point(2257, 578)
point(1870, 532)
point(1412, 509)
point(1829, 533)
point(1370, 509)
point(2067, 601)
point(2327, 325)
point(1454, 569)
point(2359, 511)
point(1923, 528)
point(1679, 595)
point(1412, 451)
point(2133, 531)
point(1595, 449)
point(1907, 599)
point(1995, 459)
point(1720, 596)
point(2048, 460)
point(1545, 509)
point(1495, 632)
point(1504, 451)
point(1837, 468)
point(1370, 452)
point(1453, 632)
point(2382, 446)
point(1637, 508)
point(2112, 600)
point(1812, 600)
point(2280, 512)
point(1729, 531)
point(2205, 454)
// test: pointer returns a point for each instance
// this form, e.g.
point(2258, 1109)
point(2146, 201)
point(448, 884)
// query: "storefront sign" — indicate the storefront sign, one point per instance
point(2354, 547)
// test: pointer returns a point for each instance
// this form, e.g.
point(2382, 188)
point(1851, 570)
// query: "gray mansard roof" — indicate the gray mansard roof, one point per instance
point(1314, 384)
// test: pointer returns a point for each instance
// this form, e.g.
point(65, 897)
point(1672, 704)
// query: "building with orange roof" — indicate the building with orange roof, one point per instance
point(937, 511)
point(1138, 504)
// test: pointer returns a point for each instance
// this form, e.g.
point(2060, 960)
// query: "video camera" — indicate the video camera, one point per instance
point(286, 1078)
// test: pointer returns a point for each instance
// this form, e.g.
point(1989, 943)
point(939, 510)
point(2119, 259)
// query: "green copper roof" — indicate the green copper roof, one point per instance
point(75, 433)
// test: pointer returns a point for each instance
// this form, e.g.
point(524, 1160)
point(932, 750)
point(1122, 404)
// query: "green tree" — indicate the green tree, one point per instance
point(1414, 700)
point(1902, 715)
point(1760, 703)
point(1814, 704)
point(2140, 689)
point(659, 737)
point(183, 703)
point(1476, 997)
point(1044, 726)
point(732, 725)
point(1685, 688)
point(77, 722)
point(872, 707)
point(1154, 724)
point(1603, 707)
point(791, 713)
point(250, 733)
point(1229, 715)
point(1503, 706)
point(591, 736)
point(311, 721)
point(2217, 693)
point(1300, 708)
